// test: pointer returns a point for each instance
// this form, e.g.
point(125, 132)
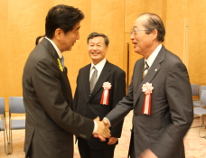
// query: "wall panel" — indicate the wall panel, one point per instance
point(201, 40)
point(3, 48)
point(176, 27)
point(25, 22)
point(176, 36)
point(135, 7)
point(188, 41)
point(108, 17)
point(193, 64)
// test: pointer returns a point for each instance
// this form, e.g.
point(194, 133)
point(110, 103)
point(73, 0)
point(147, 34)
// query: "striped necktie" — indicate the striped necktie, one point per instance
point(93, 79)
point(62, 61)
point(146, 68)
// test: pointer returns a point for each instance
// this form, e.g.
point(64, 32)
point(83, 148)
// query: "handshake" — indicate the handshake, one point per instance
point(102, 131)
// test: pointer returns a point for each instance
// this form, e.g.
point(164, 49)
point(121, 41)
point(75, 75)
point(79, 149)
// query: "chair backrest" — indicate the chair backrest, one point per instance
point(2, 106)
point(203, 97)
point(2, 114)
point(202, 87)
point(195, 89)
point(16, 105)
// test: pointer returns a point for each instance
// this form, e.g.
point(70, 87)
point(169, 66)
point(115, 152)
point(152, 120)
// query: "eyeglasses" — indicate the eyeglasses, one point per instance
point(134, 31)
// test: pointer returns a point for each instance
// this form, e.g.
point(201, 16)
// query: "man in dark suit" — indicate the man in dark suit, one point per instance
point(50, 122)
point(161, 99)
point(90, 103)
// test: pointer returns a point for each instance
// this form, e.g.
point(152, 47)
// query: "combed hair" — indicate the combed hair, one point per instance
point(63, 17)
point(95, 34)
point(154, 22)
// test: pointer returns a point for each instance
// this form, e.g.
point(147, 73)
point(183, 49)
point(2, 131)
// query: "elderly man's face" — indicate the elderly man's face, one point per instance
point(141, 41)
point(97, 49)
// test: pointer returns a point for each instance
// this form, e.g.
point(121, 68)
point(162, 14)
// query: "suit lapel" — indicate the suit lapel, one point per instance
point(156, 66)
point(102, 78)
point(86, 79)
point(137, 78)
point(51, 51)
point(50, 48)
point(138, 74)
point(55, 56)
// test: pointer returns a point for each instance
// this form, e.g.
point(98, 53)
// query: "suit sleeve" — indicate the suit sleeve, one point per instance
point(124, 106)
point(47, 81)
point(119, 93)
point(178, 92)
point(75, 96)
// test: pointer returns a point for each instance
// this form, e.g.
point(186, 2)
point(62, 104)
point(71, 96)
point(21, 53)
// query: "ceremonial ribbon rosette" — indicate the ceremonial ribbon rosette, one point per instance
point(105, 94)
point(147, 104)
point(60, 64)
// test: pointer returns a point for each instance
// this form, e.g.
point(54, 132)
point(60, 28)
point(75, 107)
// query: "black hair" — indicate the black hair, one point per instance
point(95, 34)
point(62, 16)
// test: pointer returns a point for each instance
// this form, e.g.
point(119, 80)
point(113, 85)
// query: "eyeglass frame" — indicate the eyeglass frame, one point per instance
point(134, 31)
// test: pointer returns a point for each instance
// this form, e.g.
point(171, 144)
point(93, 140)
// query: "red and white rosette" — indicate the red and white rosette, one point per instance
point(147, 104)
point(105, 94)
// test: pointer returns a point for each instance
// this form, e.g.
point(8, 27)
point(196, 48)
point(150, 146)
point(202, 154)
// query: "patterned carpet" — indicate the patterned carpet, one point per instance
point(195, 147)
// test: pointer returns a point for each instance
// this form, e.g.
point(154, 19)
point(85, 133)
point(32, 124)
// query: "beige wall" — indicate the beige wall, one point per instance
point(22, 21)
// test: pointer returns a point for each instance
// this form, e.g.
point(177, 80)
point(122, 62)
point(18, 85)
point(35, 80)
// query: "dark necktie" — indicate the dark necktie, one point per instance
point(93, 79)
point(62, 61)
point(146, 68)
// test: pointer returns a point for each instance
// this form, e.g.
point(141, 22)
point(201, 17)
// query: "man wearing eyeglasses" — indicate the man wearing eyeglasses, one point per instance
point(159, 93)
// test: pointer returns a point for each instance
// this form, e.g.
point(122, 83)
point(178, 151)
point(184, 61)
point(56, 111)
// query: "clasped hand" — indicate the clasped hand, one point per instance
point(102, 131)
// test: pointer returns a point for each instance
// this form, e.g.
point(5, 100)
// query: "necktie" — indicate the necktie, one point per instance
point(93, 79)
point(62, 61)
point(146, 68)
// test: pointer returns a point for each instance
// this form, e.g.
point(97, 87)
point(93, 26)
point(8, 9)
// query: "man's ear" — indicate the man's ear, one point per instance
point(154, 34)
point(58, 33)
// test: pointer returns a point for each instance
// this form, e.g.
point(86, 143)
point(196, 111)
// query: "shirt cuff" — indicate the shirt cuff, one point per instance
point(108, 121)
point(95, 127)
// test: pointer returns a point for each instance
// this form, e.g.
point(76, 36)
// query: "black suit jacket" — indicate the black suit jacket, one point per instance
point(172, 108)
point(50, 122)
point(89, 105)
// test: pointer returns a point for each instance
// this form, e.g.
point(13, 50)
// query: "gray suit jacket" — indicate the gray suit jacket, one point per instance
point(89, 104)
point(172, 108)
point(50, 122)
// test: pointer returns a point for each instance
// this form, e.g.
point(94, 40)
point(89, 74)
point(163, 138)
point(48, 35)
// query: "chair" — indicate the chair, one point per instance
point(201, 112)
point(3, 124)
point(16, 106)
point(195, 91)
point(198, 103)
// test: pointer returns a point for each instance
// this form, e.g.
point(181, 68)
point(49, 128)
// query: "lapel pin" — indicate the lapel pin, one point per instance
point(155, 69)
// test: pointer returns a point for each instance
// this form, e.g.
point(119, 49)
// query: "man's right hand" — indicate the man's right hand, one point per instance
point(102, 131)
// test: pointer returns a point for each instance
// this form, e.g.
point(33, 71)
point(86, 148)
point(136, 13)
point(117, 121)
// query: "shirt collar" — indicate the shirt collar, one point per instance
point(152, 57)
point(99, 66)
point(55, 47)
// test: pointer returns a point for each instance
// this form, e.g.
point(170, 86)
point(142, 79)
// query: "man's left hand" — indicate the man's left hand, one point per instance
point(112, 140)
